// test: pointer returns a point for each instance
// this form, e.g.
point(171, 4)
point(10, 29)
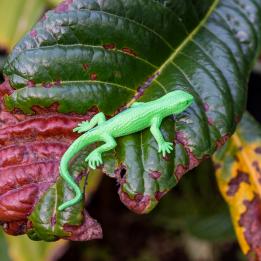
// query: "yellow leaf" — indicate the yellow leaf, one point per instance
point(17, 17)
point(23, 249)
point(238, 172)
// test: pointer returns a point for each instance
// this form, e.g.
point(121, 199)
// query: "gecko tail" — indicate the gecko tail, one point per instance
point(70, 181)
point(77, 145)
point(78, 197)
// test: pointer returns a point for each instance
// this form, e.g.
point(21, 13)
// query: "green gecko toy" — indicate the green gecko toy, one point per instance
point(136, 118)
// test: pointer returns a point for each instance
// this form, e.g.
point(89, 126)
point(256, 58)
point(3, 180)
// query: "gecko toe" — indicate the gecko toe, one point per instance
point(97, 163)
point(76, 129)
point(92, 165)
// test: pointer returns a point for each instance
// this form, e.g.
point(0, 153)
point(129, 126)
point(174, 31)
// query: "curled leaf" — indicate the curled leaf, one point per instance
point(30, 152)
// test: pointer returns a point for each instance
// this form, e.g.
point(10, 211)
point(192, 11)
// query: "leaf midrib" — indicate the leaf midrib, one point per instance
point(190, 36)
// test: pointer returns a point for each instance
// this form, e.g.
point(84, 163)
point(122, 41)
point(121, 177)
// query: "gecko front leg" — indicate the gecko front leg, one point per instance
point(164, 146)
point(87, 125)
point(94, 158)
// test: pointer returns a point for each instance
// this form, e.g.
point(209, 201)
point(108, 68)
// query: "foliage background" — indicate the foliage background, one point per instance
point(191, 223)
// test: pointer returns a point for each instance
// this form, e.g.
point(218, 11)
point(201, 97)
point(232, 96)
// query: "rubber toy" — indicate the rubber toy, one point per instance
point(139, 116)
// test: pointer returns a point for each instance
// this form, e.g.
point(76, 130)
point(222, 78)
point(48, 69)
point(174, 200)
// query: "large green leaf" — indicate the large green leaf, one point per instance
point(89, 54)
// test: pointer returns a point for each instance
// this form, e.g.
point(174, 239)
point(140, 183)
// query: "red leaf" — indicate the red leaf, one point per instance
point(30, 152)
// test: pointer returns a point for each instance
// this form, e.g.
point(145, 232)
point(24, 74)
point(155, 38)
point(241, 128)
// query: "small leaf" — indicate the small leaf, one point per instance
point(238, 171)
point(4, 255)
point(31, 148)
point(17, 17)
point(23, 249)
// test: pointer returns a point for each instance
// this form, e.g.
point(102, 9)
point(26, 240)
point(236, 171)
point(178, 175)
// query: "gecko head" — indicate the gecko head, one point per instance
point(178, 100)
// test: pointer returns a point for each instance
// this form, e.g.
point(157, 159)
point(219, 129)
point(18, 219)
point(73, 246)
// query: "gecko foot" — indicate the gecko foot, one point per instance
point(94, 160)
point(165, 147)
point(83, 127)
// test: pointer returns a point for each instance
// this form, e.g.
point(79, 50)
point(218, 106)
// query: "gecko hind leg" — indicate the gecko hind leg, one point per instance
point(94, 159)
point(87, 125)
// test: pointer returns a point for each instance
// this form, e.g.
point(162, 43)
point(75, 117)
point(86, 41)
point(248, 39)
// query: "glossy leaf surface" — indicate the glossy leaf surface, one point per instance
point(238, 174)
point(89, 55)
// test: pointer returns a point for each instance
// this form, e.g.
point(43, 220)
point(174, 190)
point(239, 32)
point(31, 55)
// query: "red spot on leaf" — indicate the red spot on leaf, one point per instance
point(234, 183)
point(210, 121)
point(206, 107)
point(222, 141)
point(155, 174)
point(159, 195)
point(44, 17)
point(89, 230)
point(120, 174)
point(139, 204)
point(180, 170)
point(57, 83)
point(129, 51)
point(258, 150)
point(5, 88)
point(193, 160)
point(251, 221)
point(138, 197)
point(33, 33)
point(31, 83)
point(53, 221)
point(85, 66)
point(255, 164)
point(47, 85)
point(141, 89)
point(109, 46)
point(51, 109)
point(62, 8)
point(93, 76)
